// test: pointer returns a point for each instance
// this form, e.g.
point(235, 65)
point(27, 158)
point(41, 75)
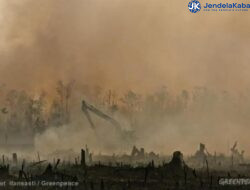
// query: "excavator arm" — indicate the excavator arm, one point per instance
point(127, 135)
point(86, 107)
point(85, 111)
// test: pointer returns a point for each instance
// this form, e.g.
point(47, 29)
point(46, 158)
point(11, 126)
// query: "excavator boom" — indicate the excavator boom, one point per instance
point(86, 107)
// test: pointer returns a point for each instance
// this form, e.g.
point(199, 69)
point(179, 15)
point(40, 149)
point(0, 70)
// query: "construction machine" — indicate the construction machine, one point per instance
point(125, 134)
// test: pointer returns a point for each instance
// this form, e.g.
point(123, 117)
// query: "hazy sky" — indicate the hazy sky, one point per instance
point(122, 43)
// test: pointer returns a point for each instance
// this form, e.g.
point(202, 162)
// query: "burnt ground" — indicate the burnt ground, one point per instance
point(122, 177)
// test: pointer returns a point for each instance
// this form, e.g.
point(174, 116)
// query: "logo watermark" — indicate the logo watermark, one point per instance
point(234, 181)
point(194, 6)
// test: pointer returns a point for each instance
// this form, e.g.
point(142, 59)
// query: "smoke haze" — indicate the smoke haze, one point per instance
point(140, 45)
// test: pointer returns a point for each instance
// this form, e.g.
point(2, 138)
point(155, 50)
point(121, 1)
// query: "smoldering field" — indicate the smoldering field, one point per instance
point(174, 80)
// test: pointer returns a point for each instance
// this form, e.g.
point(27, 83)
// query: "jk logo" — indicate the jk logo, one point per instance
point(194, 6)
